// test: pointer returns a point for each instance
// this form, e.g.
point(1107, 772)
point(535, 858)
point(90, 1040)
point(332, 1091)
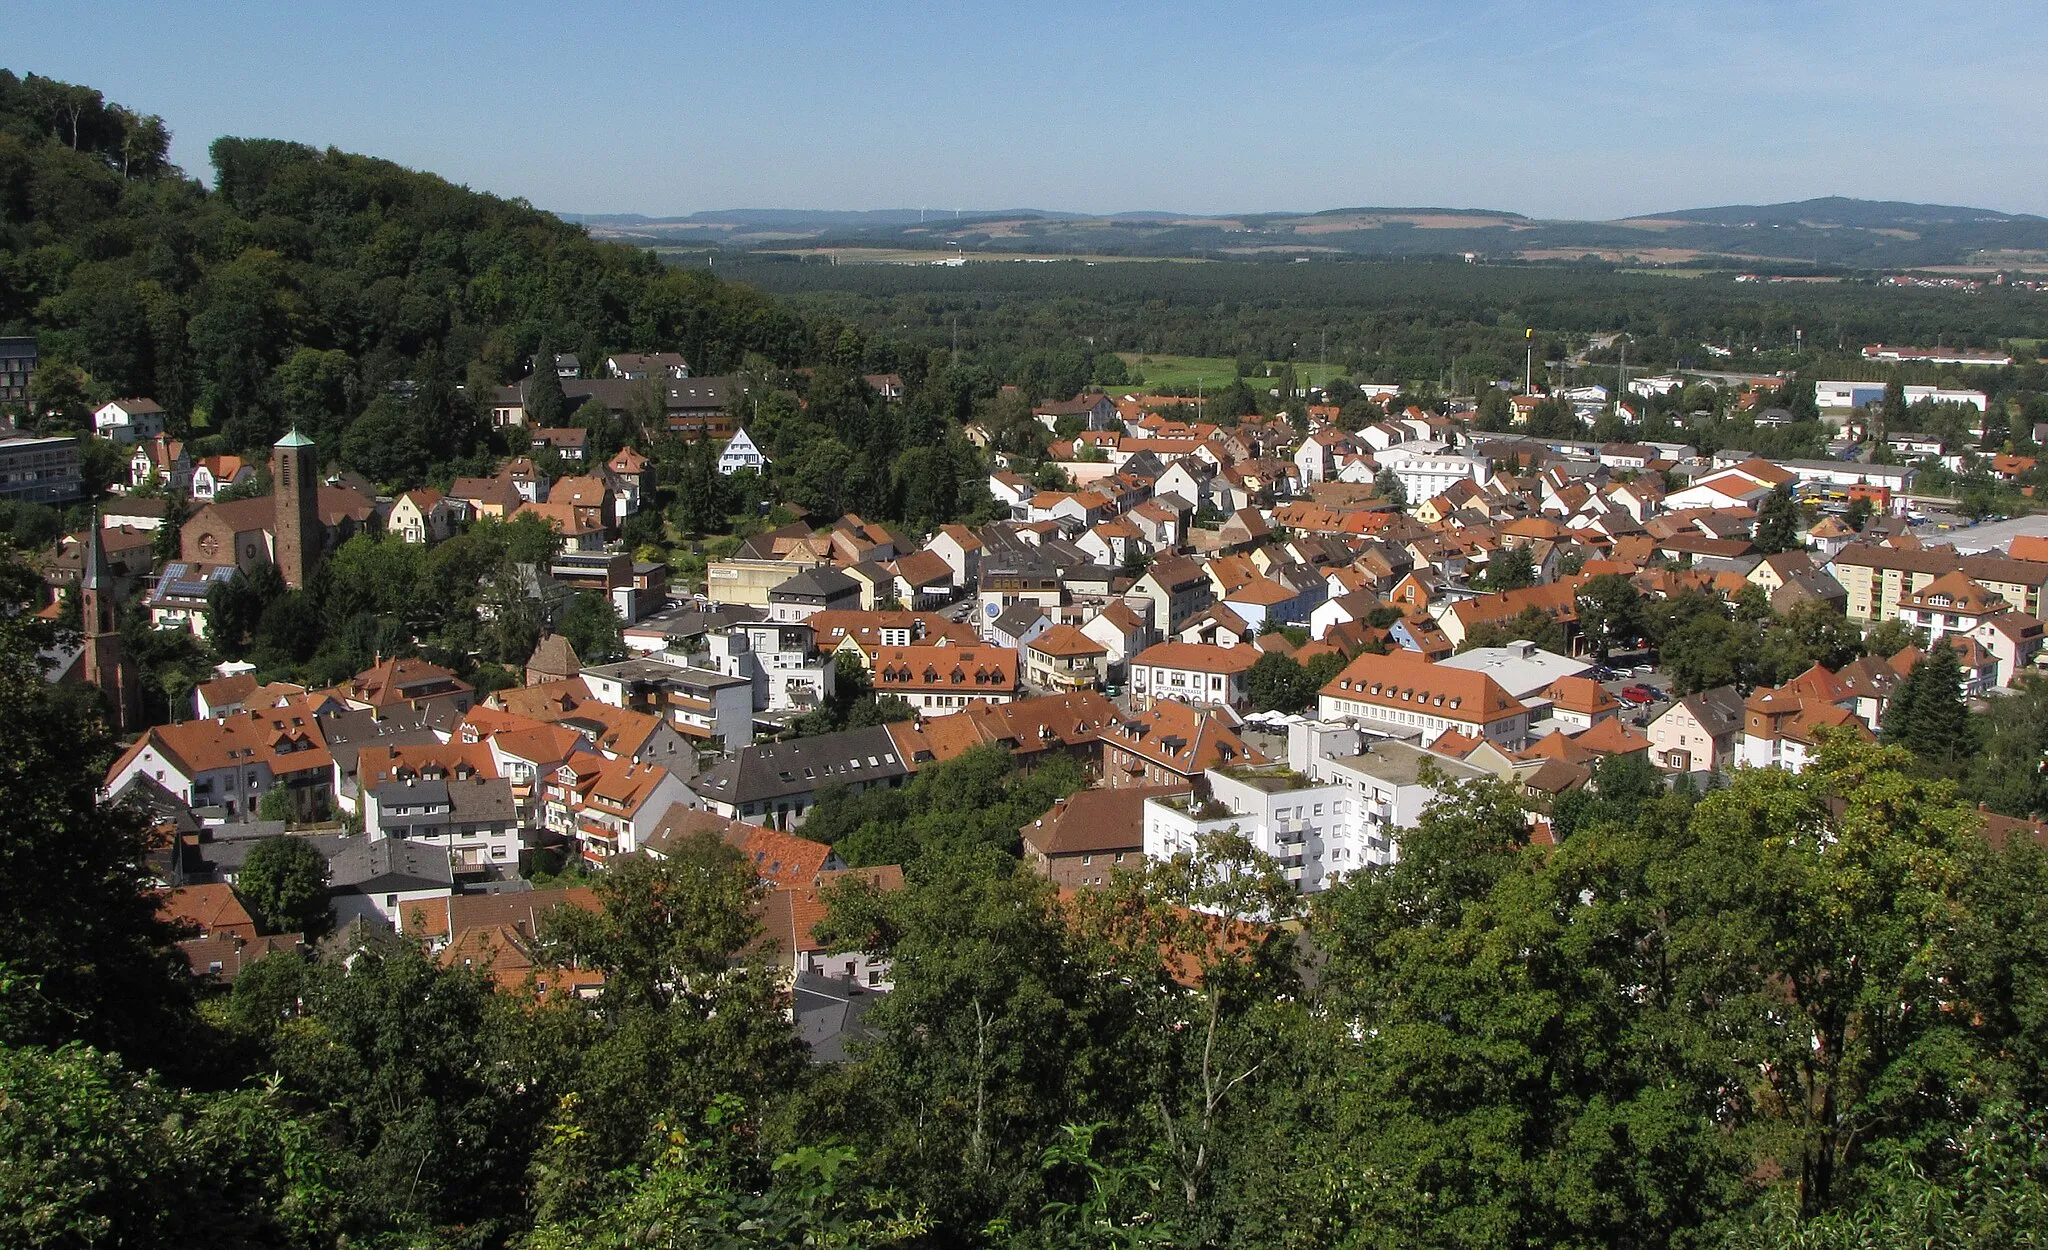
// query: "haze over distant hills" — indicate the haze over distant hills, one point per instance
point(1832, 231)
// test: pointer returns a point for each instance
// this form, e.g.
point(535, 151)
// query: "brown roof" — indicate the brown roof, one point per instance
point(833, 625)
point(211, 910)
point(945, 667)
point(1582, 695)
point(335, 504)
point(1559, 600)
point(1198, 657)
point(1182, 739)
point(922, 568)
point(1065, 640)
point(590, 492)
point(1096, 820)
point(1405, 681)
point(400, 680)
point(1611, 737)
point(287, 738)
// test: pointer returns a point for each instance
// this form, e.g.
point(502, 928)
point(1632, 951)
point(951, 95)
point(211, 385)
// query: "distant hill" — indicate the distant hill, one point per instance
point(1834, 231)
point(1838, 211)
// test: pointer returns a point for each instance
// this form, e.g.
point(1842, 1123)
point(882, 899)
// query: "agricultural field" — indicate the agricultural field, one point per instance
point(1213, 372)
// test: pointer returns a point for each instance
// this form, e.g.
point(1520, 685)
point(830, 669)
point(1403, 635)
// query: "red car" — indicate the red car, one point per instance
point(1641, 694)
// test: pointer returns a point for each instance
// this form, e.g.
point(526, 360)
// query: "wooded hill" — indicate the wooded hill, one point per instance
point(1861, 234)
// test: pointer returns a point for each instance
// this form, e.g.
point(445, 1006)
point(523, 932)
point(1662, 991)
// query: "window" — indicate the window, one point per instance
point(391, 901)
point(1087, 860)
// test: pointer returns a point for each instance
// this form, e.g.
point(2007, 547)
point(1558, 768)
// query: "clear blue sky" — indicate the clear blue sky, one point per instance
point(1595, 109)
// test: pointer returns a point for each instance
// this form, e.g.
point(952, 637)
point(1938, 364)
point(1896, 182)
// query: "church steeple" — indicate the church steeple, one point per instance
point(299, 542)
point(103, 664)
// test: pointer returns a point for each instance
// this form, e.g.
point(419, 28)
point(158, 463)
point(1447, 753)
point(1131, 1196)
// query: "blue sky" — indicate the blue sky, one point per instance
point(1593, 109)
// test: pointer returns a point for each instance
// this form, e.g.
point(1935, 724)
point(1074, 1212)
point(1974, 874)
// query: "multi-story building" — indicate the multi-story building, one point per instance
point(779, 659)
point(778, 782)
point(17, 368)
point(231, 762)
point(1063, 659)
point(943, 677)
point(1336, 808)
point(1179, 589)
point(1950, 604)
point(1196, 673)
point(1698, 733)
point(439, 795)
point(1427, 474)
point(609, 807)
point(704, 704)
point(1089, 835)
point(1783, 726)
point(128, 420)
point(39, 470)
point(1878, 578)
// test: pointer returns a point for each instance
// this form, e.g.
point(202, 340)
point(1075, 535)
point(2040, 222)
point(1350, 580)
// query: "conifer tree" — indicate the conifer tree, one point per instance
point(1927, 715)
point(546, 405)
point(1777, 522)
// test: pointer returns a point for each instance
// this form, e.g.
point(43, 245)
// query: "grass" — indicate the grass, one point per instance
point(1213, 372)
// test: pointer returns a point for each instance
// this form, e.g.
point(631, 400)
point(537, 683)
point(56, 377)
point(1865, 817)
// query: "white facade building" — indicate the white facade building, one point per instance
point(128, 420)
point(1337, 808)
point(741, 453)
point(1427, 474)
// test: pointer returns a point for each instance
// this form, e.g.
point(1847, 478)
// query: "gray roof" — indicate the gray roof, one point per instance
point(820, 582)
point(1719, 711)
point(1521, 668)
point(347, 733)
point(225, 848)
point(467, 800)
point(416, 792)
point(641, 671)
point(828, 1014)
point(1018, 618)
point(367, 865)
point(777, 770)
point(685, 623)
point(1401, 764)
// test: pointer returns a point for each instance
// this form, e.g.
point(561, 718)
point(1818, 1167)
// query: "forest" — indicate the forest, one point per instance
point(1445, 324)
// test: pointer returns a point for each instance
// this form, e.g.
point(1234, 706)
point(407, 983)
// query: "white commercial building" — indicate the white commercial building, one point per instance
point(1836, 396)
point(1521, 668)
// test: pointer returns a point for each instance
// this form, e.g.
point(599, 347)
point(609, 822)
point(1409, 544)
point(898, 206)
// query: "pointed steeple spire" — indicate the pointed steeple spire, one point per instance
point(95, 575)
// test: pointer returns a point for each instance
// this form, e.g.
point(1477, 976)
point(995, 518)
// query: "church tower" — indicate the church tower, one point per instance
point(103, 665)
point(295, 485)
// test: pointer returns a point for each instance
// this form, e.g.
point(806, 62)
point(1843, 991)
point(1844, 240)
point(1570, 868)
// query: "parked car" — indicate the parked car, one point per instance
point(1642, 670)
point(1640, 693)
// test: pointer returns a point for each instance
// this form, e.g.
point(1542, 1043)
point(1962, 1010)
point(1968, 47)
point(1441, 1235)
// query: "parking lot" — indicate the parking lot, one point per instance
point(1629, 677)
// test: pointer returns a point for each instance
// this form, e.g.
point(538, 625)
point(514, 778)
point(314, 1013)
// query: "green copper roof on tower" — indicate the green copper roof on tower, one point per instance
point(294, 439)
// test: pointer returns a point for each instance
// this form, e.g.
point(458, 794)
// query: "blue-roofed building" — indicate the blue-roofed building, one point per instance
point(178, 600)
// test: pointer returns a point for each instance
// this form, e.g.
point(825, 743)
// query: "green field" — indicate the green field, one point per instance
point(1213, 372)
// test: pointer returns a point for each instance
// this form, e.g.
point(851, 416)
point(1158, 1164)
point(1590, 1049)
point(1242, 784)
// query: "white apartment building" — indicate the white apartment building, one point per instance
point(1338, 807)
point(780, 661)
point(1427, 474)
